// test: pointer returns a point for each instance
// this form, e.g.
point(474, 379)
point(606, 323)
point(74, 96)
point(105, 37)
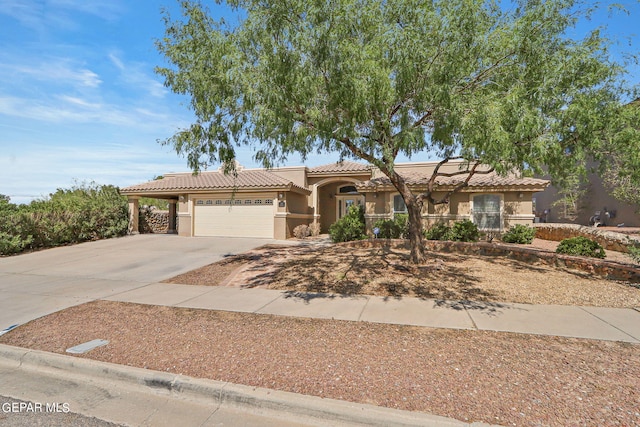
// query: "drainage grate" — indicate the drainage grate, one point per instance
point(4, 331)
point(87, 346)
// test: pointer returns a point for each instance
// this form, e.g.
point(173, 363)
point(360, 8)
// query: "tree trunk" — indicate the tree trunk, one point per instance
point(416, 238)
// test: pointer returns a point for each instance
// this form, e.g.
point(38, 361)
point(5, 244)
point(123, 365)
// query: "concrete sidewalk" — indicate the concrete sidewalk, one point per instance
point(609, 324)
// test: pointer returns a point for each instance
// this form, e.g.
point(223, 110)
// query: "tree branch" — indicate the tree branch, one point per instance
point(436, 173)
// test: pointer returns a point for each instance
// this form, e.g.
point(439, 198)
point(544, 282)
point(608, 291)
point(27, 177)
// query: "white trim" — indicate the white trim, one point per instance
point(360, 200)
point(520, 216)
point(393, 204)
point(502, 213)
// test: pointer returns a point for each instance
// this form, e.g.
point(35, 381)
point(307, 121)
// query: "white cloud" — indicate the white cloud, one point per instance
point(51, 70)
point(69, 109)
point(116, 61)
point(41, 15)
point(109, 9)
point(139, 76)
point(28, 13)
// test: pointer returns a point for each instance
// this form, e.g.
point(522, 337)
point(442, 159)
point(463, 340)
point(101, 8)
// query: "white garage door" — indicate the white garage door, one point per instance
point(234, 218)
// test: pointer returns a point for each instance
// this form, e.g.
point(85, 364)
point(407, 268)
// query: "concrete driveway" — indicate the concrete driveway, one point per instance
point(33, 285)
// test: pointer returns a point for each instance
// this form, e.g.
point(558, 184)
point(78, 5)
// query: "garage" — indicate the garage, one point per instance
point(241, 217)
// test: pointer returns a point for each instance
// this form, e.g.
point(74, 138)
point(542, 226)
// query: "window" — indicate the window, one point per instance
point(247, 202)
point(347, 189)
point(398, 204)
point(486, 211)
point(218, 202)
point(257, 202)
point(237, 202)
point(209, 202)
point(200, 202)
point(227, 202)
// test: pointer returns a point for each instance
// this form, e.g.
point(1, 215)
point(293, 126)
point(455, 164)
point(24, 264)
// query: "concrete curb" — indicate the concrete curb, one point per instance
point(318, 410)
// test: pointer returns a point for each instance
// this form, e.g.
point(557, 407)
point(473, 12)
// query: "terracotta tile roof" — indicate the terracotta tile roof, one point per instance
point(246, 179)
point(340, 167)
point(484, 180)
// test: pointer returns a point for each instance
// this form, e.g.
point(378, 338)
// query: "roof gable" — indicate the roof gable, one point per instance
point(344, 167)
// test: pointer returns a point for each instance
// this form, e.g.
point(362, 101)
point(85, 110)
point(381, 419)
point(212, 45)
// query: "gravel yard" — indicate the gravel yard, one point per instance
point(385, 271)
point(500, 378)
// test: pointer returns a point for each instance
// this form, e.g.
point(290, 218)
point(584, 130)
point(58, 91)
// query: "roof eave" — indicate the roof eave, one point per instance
point(177, 191)
point(469, 189)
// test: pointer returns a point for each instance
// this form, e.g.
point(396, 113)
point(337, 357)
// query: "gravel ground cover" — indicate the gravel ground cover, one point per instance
point(501, 378)
point(385, 271)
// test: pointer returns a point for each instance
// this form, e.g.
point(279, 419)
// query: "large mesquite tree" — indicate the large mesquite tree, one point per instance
point(497, 85)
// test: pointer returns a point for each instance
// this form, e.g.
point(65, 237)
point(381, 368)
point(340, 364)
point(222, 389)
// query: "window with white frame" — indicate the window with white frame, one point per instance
point(398, 204)
point(487, 211)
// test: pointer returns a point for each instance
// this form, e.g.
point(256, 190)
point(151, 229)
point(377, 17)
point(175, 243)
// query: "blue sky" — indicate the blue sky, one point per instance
point(79, 99)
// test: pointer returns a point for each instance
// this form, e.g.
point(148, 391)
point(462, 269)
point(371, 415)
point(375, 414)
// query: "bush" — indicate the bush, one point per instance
point(314, 229)
point(581, 246)
point(634, 253)
point(519, 233)
point(395, 228)
point(302, 231)
point(438, 232)
point(349, 227)
point(85, 212)
point(465, 231)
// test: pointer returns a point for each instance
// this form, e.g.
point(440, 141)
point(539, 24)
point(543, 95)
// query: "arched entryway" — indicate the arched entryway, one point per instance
point(332, 198)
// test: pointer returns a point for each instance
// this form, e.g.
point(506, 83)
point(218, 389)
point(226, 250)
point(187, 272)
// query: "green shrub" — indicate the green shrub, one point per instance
point(395, 228)
point(85, 212)
point(634, 253)
point(465, 231)
point(349, 227)
point(519, 233)
point(12, 244)
point(581, 246)
point(439, 231)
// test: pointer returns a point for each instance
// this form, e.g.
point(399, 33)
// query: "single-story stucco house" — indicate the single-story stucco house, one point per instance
point(271, 203)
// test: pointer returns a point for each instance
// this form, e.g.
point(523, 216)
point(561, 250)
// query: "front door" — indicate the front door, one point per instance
point(344, 202)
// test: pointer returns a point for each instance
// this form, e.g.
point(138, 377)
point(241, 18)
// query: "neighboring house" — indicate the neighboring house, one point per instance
point(271, 203)
point(581, 206)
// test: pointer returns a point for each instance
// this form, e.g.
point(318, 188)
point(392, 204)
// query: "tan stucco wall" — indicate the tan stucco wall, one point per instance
point(134, 227)
point(327, 204)
point(515, 209)
point(297, 203)
point(311, 180)
point(422, 168)
point(297, 175)
point(596, 199)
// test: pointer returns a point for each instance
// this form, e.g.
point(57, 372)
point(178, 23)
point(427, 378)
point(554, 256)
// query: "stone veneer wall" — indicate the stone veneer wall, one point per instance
point(153, 221)
point(608, 239)
point(607, 269)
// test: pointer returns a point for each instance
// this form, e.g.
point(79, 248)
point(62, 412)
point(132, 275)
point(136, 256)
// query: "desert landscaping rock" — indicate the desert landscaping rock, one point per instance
point(497, 378)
